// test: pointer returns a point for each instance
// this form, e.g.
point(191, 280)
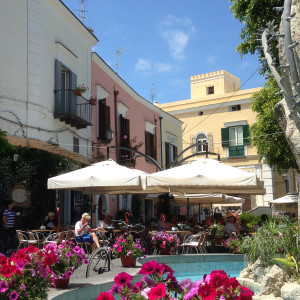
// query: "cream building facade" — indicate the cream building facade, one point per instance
point(219, 113)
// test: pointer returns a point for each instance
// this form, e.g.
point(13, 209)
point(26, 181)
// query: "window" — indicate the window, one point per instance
point(124, 138)
point(235, 138)
point(210, 90)
point(76, 145)
point(201, 139)
point(235, 107)
point(103, 119)
point(65, 82)
point(150, 144)
point(171, 153)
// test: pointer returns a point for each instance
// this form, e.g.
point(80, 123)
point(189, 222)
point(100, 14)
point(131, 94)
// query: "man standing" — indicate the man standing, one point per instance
point(9, 232)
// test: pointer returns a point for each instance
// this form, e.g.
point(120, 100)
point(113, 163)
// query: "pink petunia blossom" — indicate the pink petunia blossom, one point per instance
point(123, 278)
point(105, 296)
point(158, 292)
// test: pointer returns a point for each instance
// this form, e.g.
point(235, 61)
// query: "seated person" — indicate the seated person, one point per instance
point(244, 228)
point(208, 221)
point(51, 221)
point(109, 220)
point(230, 226)
point(102, 221)
point(84, 233)
point(162, 225)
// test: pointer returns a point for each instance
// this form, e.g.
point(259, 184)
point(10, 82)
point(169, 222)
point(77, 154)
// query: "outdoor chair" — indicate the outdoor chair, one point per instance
point(87, 247)
point(55, 238)
point(32, 239)
point(22, 238)
point(210, 242)
point(195, 242)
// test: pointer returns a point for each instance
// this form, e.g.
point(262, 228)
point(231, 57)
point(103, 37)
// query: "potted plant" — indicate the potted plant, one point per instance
point(219, 235)
point(235, 244)
point(128, 249)
point(24, 275)
point(164, 242)
point(63, 260)
point(80, 89)
point(92, 101)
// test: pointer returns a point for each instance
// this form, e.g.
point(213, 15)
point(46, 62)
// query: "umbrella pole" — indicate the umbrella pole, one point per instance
point(199, 212)
point(188, 208)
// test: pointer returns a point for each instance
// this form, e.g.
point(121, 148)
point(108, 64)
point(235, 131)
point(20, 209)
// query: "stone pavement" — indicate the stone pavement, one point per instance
point(82, 288)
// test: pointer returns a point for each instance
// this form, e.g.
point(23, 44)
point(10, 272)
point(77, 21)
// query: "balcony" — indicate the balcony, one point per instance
point(72, 109)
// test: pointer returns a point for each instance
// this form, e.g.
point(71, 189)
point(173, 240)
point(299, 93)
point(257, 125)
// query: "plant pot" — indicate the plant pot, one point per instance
point(92, 102)
point(61, 283)
point(165, 251)
point(77, 93)
point(236, 250)
point(128, 261)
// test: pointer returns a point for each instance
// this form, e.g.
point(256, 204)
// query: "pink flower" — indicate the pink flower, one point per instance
point(207, 292)
point(3, 286)
point(149, 268)
point(105, 296)
point(119, 248)
point(122, 278)
point(157, 292)
point(218, 278)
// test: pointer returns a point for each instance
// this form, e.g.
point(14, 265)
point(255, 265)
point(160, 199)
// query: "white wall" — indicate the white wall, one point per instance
point(27, 69)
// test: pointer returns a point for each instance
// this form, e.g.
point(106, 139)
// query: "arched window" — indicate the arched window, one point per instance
point(201, 139)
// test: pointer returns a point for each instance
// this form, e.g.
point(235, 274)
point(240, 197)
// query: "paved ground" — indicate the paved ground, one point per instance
point(81, 287)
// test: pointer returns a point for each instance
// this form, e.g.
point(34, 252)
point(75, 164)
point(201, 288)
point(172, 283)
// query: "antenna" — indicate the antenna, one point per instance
point(153, 93)
point(118, 53)
point(82, 11)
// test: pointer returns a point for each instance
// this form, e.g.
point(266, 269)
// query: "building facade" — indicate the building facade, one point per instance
point(44, 56)
point(136, 123)
point(219, 113)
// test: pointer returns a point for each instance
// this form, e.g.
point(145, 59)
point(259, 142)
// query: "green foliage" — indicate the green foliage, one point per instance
point(254, 14)
point(4, 144)
point(275, 238)
point(32, 170)
point(290, 264)
point(267, 137)
point(251, 219)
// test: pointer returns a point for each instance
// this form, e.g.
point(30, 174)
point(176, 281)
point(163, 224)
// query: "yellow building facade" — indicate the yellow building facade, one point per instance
point(219, 113)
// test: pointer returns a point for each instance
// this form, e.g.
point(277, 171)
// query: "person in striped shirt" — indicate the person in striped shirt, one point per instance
point(9, 232)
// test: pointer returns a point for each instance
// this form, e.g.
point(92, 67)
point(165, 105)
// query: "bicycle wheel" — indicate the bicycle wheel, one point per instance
point(99, 262)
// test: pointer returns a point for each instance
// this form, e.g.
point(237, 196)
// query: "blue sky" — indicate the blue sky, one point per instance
point(165, 42)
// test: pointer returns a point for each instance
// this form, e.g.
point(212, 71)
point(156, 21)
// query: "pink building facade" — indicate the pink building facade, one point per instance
point(135, 123)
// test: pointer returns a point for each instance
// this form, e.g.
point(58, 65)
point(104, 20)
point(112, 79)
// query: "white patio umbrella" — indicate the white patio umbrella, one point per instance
point(206, 176)
point(207, 199)
point(287, 199)
point(106, 177)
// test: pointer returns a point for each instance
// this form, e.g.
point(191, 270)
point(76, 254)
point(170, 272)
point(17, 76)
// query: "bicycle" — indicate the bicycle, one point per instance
point(100, 259)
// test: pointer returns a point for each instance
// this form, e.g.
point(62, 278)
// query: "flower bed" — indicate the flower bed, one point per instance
point(158, 282)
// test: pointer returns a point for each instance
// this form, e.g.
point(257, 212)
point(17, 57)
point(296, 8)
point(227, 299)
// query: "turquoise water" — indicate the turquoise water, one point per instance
point(196, 270)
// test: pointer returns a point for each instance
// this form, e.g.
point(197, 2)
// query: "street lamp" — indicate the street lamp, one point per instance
point(109, 134)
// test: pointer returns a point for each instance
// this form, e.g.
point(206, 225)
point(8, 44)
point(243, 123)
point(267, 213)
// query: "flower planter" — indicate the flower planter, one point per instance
point(92, 102)
point(236, 250)
point(165, 251)
point(128, 261)
point(77, 93)
point(61, 283)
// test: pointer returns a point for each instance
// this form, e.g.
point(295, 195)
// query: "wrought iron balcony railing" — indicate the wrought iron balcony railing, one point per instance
point(72, 109)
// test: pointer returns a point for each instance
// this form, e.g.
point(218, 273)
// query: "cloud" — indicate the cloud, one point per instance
point(161, 67)
point(142, 65)
point(177, 32)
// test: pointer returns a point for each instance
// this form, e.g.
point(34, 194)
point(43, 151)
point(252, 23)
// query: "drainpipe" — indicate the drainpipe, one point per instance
point(116, 93)
point(161, 154)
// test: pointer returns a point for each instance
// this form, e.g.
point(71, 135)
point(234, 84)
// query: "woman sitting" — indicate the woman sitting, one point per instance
point(50, 221)
point(84, 233)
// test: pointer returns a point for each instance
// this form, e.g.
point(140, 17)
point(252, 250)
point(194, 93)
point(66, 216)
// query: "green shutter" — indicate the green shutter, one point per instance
point(225, 137)
point(246, 134)
point(167, 145)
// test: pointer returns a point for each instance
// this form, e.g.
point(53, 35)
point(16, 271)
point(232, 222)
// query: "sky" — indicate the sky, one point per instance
point(163, 43)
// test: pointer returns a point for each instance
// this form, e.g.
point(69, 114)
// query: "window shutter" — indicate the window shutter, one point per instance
point(122, 132)
point(72, 84)
point(175, 152)
point(127, 131)
point(107, 117)
point(57, 75)
point(101, 119)
point(167, 145)
point(57, 86)
point(154, 152)
point(246, 134)
point(225, 137)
